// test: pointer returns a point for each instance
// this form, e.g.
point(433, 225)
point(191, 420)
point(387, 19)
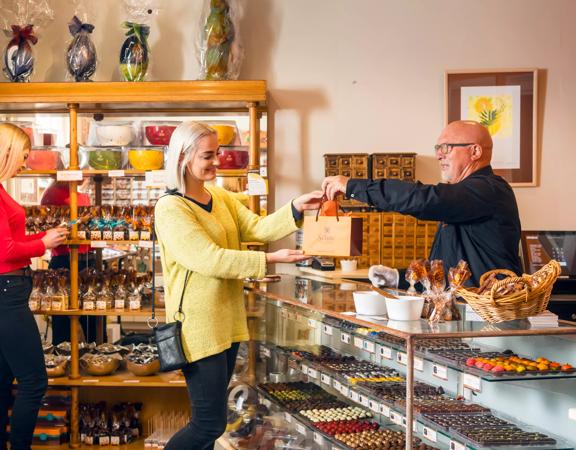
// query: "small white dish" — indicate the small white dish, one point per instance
point(348, 265)
point(405, 307)
point(369, 303)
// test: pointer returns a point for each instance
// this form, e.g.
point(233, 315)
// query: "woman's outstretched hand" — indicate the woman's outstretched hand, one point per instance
point(286, 255)
point(308, 201)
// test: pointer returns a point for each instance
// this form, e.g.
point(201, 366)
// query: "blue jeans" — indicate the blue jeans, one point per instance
point(207, 381)
point(21, 357)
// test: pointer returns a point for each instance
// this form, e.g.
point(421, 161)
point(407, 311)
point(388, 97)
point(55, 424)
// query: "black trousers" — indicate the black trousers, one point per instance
point(207, 382)
point(61, 324)
point(21, 357)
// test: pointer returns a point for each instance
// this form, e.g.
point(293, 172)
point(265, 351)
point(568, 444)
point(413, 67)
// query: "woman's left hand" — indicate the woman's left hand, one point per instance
point(308, 201)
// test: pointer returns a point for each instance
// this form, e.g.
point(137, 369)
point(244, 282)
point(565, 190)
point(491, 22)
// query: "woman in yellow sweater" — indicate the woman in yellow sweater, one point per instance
point(199, 231)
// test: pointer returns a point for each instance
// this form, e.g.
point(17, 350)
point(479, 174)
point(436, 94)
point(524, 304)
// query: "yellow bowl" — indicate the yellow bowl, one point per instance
point(226, 133)
point(146, 159)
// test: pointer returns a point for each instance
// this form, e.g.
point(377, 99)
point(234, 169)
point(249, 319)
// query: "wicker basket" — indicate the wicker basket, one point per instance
point(530, 301)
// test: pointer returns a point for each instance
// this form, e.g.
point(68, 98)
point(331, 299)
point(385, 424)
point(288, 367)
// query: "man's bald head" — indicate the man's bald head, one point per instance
point(462, 161)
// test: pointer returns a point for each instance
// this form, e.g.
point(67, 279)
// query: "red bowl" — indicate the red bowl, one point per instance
point(159, 134)
point(43, 159)
point(233, 157)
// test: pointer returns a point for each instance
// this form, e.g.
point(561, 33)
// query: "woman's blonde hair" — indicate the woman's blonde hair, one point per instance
point(13, 143)
point(184, 141)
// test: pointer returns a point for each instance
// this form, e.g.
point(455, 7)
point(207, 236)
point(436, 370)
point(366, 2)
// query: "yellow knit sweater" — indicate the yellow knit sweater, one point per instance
point(208, 244)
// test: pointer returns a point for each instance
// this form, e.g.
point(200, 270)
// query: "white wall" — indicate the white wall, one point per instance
point(367, 76)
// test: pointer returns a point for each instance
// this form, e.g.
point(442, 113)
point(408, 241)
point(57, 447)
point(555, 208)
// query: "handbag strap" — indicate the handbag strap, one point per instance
point(178, 314)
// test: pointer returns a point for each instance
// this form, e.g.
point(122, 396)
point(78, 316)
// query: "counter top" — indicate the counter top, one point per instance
point(334, 298)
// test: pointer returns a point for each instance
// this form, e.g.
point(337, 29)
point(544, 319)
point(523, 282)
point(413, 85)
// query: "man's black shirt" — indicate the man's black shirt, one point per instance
point(478, 217)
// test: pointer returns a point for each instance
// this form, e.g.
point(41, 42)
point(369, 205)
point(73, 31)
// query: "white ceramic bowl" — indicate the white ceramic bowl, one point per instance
point(114, 133)
point(369, 303)
point(404, 307)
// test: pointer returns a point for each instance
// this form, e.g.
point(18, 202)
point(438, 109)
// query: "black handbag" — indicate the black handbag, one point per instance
point(169, 338)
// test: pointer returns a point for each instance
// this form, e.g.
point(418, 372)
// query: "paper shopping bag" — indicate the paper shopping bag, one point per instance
point(332, 236)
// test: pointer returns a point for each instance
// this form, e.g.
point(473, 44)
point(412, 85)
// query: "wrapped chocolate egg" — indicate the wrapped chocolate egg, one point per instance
point(81, 54)
point(18, 56)
point(134, 52)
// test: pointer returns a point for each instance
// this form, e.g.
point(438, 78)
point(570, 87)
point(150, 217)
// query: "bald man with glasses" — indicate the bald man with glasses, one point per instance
point(477, 210)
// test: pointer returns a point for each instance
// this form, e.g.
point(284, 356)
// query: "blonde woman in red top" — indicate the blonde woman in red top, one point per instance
point(21, 356)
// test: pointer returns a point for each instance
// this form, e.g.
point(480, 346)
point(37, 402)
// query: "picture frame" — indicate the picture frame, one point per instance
point(506, 102)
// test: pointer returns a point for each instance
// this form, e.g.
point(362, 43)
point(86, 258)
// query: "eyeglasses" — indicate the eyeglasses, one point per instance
point(446, 148)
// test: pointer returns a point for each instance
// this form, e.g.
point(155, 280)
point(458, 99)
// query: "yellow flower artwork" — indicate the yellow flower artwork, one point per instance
point(494, 112)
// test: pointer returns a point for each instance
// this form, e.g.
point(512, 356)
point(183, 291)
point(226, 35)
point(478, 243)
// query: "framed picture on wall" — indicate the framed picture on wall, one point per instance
point(505, 101)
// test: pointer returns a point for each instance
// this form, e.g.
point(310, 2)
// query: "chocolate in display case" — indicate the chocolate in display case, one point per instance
point(309, 332)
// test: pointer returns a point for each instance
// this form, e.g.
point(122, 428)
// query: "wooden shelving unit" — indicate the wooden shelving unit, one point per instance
point(127, 99)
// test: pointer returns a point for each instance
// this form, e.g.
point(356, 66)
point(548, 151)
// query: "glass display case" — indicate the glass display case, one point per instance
point(338, 380)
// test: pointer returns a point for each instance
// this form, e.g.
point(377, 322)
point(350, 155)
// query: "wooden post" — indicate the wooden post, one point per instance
point(254, 158)
point(74, 416)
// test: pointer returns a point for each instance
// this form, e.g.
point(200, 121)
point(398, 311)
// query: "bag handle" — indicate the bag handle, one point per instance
point(178, 314)
point(324, 199)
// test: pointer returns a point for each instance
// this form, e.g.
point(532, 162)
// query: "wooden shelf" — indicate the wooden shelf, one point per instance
point(122, 379)
point(143, 97)
point(85, 172)
point(144, 312)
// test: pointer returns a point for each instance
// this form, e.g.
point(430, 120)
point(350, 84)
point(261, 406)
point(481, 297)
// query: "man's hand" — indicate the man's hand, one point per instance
point(332, 186)
point(382, 276)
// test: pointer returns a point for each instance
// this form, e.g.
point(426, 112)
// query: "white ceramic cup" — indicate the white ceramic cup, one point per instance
point(369, 303)
point(404, 307)
point(348, 265)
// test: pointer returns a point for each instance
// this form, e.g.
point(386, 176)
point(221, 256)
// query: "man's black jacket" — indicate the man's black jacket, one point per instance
point(478, 217)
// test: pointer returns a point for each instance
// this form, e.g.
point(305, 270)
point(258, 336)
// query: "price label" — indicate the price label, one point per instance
point(374, 406)
point(456, 446)
point(354, 396)
point(155, 179)
point(327, 329)
point(402, 358)
point(418, 364)
point(265, 352)
point(440, 372)
point(345, 337)
point(325, 379)
point(385, 410)
point(365, 402)
point(312, 373)
point(344, 391)
point(472, 382)
point(115, 173)
point(430, 434)
point(69, 175)
point(304, 369)
point(312, 323)
point(336, 385)
point(369, 346)
point(395, 418)
point(318, 439)
point(145, 244)
point(386, 352)
point(98, 244)
point(287, 417)
point(300, 428)
point(358, 343)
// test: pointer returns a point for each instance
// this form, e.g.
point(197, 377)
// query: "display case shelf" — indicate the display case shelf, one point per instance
point(122, 379)
point(144, 312)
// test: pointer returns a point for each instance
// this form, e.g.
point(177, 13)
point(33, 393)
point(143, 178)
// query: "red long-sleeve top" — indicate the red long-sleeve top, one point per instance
point(16, 247)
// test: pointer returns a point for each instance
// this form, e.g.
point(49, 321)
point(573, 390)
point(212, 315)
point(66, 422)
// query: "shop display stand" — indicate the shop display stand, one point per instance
point(311, 313)
point(126, 99)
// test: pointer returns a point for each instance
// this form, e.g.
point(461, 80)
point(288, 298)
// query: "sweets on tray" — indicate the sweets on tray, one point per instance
point(506, 364)
point(346, 426)
point(488, 430)
point(379, 440)
point(335, 414)
point(443, 406)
